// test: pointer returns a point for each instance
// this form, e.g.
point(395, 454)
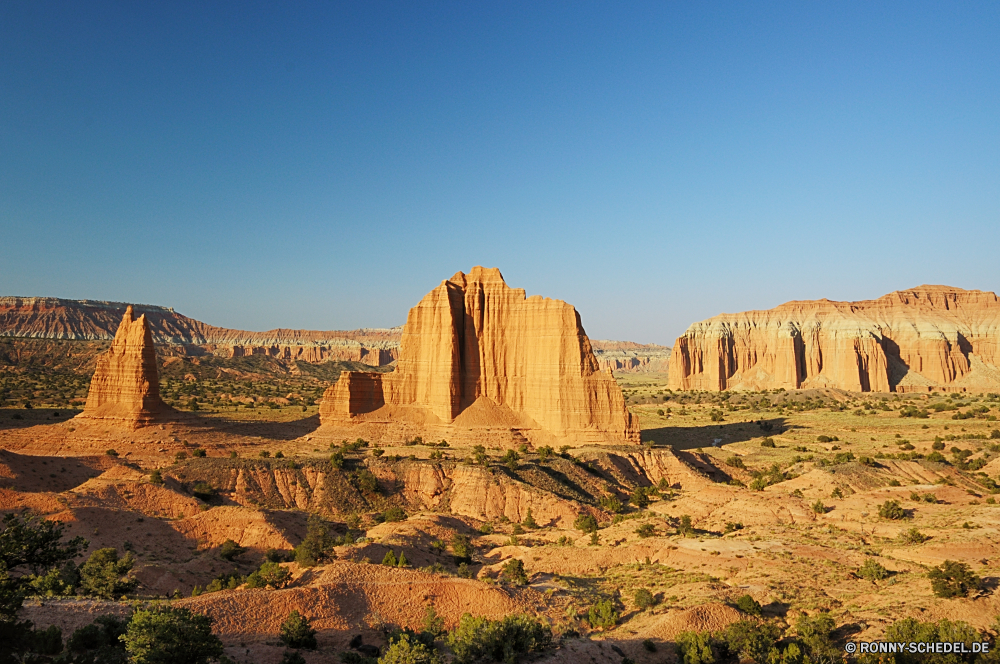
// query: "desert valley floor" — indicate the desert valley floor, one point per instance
point(789, 496)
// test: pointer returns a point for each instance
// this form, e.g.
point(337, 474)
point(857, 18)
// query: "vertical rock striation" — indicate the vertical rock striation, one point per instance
point(913, 340)
point(125, 388)
point(475, 352)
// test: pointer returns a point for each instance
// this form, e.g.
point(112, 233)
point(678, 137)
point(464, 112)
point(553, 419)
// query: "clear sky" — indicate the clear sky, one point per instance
point(323, 165)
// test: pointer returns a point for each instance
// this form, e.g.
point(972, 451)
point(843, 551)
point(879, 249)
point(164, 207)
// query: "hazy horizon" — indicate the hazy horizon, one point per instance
point(324, 165)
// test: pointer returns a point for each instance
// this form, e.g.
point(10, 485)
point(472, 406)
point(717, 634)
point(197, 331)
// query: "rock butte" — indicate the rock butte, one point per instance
point(918, 340)
point(125, 388)
point(476, 353)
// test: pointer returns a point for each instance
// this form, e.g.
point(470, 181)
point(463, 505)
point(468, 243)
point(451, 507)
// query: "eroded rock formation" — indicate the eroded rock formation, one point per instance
point(477, 353)
point(925, 338)
point(125, 388)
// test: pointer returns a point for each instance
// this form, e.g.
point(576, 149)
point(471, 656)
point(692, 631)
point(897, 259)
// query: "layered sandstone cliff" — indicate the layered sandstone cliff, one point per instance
point(477, 353)
point(125, 388)
point(930, 337)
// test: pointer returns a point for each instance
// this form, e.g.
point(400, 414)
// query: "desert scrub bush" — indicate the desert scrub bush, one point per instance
point(767, 442)
point(513, 573)
point(814, 633)
point(872, 570)
point(296, 632)
point(602, 614)
point(156, 477)
point(163, 634)
point(644, 599)
point(646, 530)
point(461, 548)
point(640, 497)
point(910, 630)
point(585, 523)
point(953, 579)
point(503, 640)
point(230, 550)
point(892, 510)
point(758, 483)
point(684, 527)
point(318, 544)
point(394, 513)
point(818, 507)
point(409, 649)
point(269, 574)
point(611, 504)
point(735, 462)
point(750, 639)
point(747, 604)
point(105, 575)
point(695, 648)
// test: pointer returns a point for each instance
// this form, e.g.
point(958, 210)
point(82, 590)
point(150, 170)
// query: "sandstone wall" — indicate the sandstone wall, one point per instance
point(475, 352)
point(924, 337)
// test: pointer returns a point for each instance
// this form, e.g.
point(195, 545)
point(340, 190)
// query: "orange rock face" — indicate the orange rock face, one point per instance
point(126, 386)
point(931, 337)
point(475, 352)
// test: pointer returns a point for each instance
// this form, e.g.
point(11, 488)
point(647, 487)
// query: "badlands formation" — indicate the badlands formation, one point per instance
point(930, 338)
point(477, 354)
point(125, 389)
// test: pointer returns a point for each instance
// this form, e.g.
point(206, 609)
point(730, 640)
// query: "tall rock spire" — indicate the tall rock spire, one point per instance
point(125, 388)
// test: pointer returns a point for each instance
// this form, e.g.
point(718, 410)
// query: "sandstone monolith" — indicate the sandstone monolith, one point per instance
point(923, 339)
point(476, 353)
point(125, 388)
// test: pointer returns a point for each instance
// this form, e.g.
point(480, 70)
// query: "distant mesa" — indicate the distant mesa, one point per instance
point(125, 389)
point(919, 340)
point(56, 318)
point(476, 353)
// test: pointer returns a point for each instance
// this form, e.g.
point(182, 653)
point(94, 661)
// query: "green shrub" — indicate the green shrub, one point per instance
point(269, 574)
point(818, 507)
point(747, 604)
point(155, 477)
point(751, 639)
point(501, 640)
point(646, 530)
point(318, 544)
point(230, 550)
point(873, 570)
point(167, 635)
point(892, 510)
point(767, 442)
point(735, 462)
point(510, 460)
point(602, 614)
point(586, 523)
point(199, 453)
point(408, 649)
point(953, 579)
point(513, 573)
point(394, 513)
point(912, 536)
point(529, 520)
point(203, 491)
point(910, 630)
point(296, 632)
point(644, 599)
point(389, 559)
point(461, 548)
point(104, 574)
point(685, 528)
point(695, 648)
point(611, 504)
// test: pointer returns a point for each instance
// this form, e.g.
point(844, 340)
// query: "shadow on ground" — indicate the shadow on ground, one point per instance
point(22, 418)
point(714, 435)
point(247, 428)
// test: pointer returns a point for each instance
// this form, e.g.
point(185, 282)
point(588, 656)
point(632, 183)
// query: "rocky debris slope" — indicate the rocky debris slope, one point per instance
point(55, 318)
point(925, 338)
point(125, 388)
point(477, 353)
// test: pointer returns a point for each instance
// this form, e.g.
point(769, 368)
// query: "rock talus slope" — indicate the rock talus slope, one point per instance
point(925, 338)
point(125, 388)
point(475, 352)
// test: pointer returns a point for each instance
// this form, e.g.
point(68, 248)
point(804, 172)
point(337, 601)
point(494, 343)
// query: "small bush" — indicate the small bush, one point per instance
point(297, 633)
point(409, 649)
point(394, 513)
point(105, 575)
point(269, 574)
point(644, 599)
point(695, 648)
point(513, 573)
point(199, 453)
point(112, 453)
point(646, 530)
point(873, 571)
point(819, 508)
point(389, 559)
point(156, 477)
point(602, 615)
point(230, 550)
point(953, 579)
point(913, 536)
point(892, 510)
point(585, 523)
point(767, 442)
point(504, 640)
point(747, 604)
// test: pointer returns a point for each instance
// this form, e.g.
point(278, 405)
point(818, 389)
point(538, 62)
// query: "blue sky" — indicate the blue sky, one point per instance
point(323, 165)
